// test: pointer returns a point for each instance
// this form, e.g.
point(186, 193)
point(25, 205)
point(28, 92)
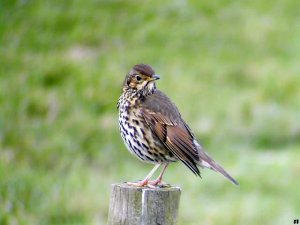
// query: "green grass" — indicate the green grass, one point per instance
point(232, 67)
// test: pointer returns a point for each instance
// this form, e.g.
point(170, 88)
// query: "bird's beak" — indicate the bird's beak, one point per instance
point(155, 77)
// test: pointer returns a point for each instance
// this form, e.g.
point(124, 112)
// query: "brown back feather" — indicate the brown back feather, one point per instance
point(165, 121)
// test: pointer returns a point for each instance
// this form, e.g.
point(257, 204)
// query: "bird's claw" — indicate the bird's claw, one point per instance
point(149, 184)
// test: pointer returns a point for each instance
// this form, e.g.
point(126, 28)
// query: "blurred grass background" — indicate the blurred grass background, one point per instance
point(232, 67)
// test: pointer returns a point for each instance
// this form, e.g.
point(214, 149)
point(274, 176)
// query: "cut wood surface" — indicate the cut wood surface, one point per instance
point(143, 206)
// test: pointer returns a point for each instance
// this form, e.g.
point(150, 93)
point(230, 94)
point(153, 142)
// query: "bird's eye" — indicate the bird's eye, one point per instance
point(138, 78)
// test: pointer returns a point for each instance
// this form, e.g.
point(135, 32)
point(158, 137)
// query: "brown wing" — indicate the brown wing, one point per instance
point(165, 121)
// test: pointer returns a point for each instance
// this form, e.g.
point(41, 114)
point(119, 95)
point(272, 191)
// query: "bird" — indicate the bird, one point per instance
point(153, 130)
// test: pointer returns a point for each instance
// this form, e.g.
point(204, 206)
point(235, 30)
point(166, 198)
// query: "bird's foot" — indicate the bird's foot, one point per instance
point(155, 182)
point(149, 183)
point(158, 183)
point(142, 183)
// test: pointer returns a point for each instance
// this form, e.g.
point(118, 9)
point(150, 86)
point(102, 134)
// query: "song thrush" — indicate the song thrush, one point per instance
point(153, 130)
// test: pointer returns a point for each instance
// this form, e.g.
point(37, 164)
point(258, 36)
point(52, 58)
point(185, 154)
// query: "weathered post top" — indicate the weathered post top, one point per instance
point(143, 206)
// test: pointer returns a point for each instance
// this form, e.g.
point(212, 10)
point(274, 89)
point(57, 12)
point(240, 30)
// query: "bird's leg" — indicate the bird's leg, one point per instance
point(145, 181)
point(159, 178)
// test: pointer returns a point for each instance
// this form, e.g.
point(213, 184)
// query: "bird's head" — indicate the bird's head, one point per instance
point(140, 79)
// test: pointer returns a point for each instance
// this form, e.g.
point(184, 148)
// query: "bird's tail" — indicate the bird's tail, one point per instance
point(208, 162)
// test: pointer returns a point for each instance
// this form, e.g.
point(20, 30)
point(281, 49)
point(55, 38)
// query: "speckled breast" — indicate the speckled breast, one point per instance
point(138, 137)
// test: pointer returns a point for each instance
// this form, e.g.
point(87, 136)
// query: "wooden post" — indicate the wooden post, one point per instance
point(143, 206)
